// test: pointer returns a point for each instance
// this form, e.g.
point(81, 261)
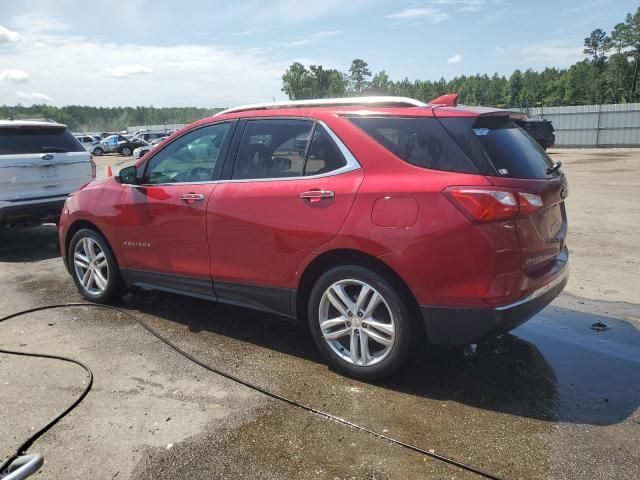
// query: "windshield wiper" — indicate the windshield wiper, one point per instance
point(554, 167)
point(53, 149)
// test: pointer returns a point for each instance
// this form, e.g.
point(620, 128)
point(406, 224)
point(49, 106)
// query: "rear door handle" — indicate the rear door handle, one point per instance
point(192, 197)
point(314, 196)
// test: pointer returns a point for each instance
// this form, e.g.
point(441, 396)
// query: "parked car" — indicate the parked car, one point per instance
point(149, 136)
point(120, 144)
point(91, 144)
point(399, 223)
point(540, 129)
point(144, 149)
point(41, 163)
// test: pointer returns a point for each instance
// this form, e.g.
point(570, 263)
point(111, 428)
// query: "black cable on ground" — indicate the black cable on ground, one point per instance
point(25, 446)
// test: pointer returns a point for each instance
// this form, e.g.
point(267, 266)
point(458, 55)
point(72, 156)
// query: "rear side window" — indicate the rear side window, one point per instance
point(511, 151)
point(272, 149)
point(25, 140)
point(420, 141)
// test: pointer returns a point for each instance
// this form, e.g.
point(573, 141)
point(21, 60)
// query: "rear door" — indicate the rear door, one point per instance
point(39, 162)
point(288, 192)
point(517, 161)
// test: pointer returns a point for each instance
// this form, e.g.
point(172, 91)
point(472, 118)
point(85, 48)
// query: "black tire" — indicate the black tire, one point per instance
point(114, 284)
point(404, 329)
point(126, 151)
point(98, 152)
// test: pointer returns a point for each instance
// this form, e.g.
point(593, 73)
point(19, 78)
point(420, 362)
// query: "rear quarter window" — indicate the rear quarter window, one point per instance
point(419, 141)
point(25, 140)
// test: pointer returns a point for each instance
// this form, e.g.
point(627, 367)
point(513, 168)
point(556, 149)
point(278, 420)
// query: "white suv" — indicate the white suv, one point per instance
point(41, 163)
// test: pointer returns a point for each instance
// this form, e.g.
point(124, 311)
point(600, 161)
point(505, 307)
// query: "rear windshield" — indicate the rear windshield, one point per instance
point(510, 150)
point(22, 140)
point(420, 141)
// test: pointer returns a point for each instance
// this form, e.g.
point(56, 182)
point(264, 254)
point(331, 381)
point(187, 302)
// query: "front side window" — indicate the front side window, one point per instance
point(190, 158)
point(272, 149)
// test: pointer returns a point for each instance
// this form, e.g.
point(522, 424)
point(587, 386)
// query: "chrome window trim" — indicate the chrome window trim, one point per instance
point(351, 165)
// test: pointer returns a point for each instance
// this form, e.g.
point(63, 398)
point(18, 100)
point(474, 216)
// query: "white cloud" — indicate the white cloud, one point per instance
point(433, 15)
point(36, 22)
point(499, 50)
point(462, 5)
point(13, 76)
point(126, 70)
point(313, 38)
point(34, 97)
point(551, 54)
point(7, 35)
point(292, 11)
point(457, 58)
point(160, 75)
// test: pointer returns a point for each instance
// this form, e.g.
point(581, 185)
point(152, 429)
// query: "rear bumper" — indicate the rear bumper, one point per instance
point(31, 213)
point(463, 326)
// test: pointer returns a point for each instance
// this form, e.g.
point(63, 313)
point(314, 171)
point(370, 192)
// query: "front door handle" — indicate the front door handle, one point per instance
point(192, 197)
point(314, 196)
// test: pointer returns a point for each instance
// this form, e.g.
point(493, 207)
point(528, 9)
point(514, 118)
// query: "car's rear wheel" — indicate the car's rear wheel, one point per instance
point(360, 322)
point(98, 152)
point(93, 267)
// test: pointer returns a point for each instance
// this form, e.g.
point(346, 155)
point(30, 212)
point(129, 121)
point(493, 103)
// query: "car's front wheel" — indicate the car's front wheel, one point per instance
point(93, 267)
point(98, 152)
point(126, 151)
point(360, 322)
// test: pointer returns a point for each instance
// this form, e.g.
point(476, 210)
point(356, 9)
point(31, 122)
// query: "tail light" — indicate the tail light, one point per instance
point(488, 204)
point(93, 167)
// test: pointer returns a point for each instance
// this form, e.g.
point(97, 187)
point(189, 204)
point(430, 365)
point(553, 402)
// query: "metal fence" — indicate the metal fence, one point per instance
point(593, 125)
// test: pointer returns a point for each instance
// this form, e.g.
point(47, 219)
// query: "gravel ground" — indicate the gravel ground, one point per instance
point(554, 399)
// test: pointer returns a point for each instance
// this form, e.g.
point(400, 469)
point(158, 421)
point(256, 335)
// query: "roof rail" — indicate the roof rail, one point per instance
point(380, 101)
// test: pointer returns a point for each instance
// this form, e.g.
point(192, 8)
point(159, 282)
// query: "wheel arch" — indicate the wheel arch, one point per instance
point(334, 258)
point(79, 225)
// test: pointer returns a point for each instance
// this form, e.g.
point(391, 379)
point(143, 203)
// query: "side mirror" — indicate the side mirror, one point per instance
point(128, 175)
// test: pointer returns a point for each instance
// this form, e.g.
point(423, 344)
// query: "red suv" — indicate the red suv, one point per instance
point(380, 221)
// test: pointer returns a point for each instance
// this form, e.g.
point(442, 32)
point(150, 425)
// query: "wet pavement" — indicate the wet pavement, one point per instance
point(553, 399)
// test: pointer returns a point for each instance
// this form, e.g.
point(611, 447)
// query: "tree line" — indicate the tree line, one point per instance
point(608, 74)
point(110, 119)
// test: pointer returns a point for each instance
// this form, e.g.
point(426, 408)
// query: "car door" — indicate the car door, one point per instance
point(289, 190)
point(162, 219)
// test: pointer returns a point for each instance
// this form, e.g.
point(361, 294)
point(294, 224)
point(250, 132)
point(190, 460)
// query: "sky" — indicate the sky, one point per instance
point(217, 53)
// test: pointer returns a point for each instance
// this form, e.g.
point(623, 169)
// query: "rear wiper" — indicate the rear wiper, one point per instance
point(554, 167)
point(53, 149)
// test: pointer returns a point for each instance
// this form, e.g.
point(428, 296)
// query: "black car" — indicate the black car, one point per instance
point(541, 130)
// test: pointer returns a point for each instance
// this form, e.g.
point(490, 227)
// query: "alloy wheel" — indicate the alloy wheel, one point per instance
point(91, 266)
point(357, 322)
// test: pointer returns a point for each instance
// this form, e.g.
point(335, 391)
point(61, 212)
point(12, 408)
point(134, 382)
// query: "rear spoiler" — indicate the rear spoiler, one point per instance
point(450, 100)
